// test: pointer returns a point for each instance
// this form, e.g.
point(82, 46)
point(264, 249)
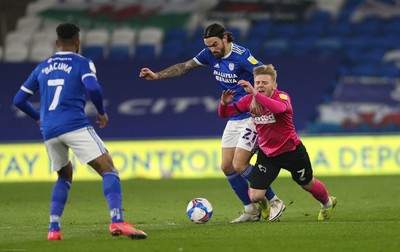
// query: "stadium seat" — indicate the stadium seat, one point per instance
point(150, 37)
point(174, 34)
point(312, 29)
point(96, 44)
point(145, 52)
point(320, 16)
point(123, 36)
point(16, 52)
point(44, 36)
point(94, 52)
point(286, 31)
point(41, 51)
point(301, 46)
point(254, 44)
point(389, 70)
point(327, 45)
point(34, 8)
point(29, 24)
point(275, 47)
point(392, 55)
point(122, 44)
point(18, 37)
point(173, 49)
point(239, 27)
point(120, 52)
point(261, 29)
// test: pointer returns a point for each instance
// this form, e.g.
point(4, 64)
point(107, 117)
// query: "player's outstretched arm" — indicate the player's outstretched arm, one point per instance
point(227, 96)
point(247, 87)
point(170, 72)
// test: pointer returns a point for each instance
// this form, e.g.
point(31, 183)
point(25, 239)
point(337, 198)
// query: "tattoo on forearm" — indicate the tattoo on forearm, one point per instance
point(177, 70)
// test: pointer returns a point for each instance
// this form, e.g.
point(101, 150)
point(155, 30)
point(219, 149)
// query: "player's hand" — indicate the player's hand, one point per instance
point(102, 120)
point(247, 87)
point(148, 74)
point(227, 96)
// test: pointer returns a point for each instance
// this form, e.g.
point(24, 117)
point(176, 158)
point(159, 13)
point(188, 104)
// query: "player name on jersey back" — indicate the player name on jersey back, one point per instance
point(57, 65)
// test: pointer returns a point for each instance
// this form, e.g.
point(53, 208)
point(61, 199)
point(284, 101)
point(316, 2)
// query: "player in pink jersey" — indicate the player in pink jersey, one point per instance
point(280, 147)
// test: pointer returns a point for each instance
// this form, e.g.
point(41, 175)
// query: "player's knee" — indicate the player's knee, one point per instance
point(227, 169)
point(256, 196)
point(240, 165)
point(308, 185)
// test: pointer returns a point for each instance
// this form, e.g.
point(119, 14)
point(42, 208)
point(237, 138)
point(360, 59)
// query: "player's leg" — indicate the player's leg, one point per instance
point(302, 173)
point(237, 182)
point(247, 143)
point(90, 149)
point(59, 158)
point(263, 174)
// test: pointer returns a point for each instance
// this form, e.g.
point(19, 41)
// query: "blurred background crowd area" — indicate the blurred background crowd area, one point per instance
point(363, 35)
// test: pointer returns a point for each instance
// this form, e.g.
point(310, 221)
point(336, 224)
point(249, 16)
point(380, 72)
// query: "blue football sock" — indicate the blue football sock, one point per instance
point(247, 174)
point(58, 199)
point(113, 193)
point(269, 194)
point(240, 186)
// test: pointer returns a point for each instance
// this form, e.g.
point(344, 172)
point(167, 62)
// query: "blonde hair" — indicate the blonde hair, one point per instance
point(256, 109)
point(267, 70)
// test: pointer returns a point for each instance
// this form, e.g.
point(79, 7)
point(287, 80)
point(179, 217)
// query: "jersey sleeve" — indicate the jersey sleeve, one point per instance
point(95, 93)
point(248, 62)
point(236, 108)
point(203, 58)
point(88, 69)
point(278, 105)
point(89, 80)
point(31, 85)
point(28, 88)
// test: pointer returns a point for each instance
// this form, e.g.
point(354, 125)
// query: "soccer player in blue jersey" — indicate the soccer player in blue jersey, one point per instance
point(62, 81)
point(230, 63)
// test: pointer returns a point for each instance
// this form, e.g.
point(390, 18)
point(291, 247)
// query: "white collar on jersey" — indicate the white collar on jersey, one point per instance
point(64, 52)
point(230, 52)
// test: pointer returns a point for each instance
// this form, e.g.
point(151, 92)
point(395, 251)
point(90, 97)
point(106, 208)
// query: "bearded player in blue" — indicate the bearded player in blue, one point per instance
point(230, 63)
point(62, 81)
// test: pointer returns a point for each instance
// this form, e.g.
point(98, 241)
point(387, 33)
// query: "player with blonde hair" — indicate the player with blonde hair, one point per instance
point(280, 147)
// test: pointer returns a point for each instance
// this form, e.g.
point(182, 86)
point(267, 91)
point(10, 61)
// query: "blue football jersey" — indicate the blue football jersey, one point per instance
point(62, 92)
point(237, 65)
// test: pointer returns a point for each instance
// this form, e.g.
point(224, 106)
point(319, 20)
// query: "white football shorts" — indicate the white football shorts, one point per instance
point(240, 133)
point(84, 143)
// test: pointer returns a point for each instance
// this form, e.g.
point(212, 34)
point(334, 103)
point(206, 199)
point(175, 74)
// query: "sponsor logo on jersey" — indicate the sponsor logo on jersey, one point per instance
point(216, 65)
point(252, 60)
point(225, 77)
point(231, 66)
point(264, 119)
point(283, 96)
point(57, 58)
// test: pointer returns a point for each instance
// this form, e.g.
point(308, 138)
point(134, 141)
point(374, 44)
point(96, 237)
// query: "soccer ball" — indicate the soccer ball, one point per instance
point(199, 210)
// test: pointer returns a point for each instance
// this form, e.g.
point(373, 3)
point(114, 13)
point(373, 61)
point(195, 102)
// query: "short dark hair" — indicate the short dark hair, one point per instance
point(217, 30)
point(67, 32)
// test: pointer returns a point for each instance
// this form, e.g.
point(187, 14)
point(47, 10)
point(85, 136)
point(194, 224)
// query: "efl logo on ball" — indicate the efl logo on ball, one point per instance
point(199, 210)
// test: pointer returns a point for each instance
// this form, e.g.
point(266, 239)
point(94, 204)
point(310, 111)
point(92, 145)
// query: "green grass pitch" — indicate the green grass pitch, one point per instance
point(366, 218)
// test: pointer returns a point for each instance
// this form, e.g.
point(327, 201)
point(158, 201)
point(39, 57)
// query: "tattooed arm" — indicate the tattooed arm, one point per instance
point(170, 72)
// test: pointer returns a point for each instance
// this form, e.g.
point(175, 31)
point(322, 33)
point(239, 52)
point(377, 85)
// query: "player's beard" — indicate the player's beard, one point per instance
point(221, 53)
point(256, 109)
